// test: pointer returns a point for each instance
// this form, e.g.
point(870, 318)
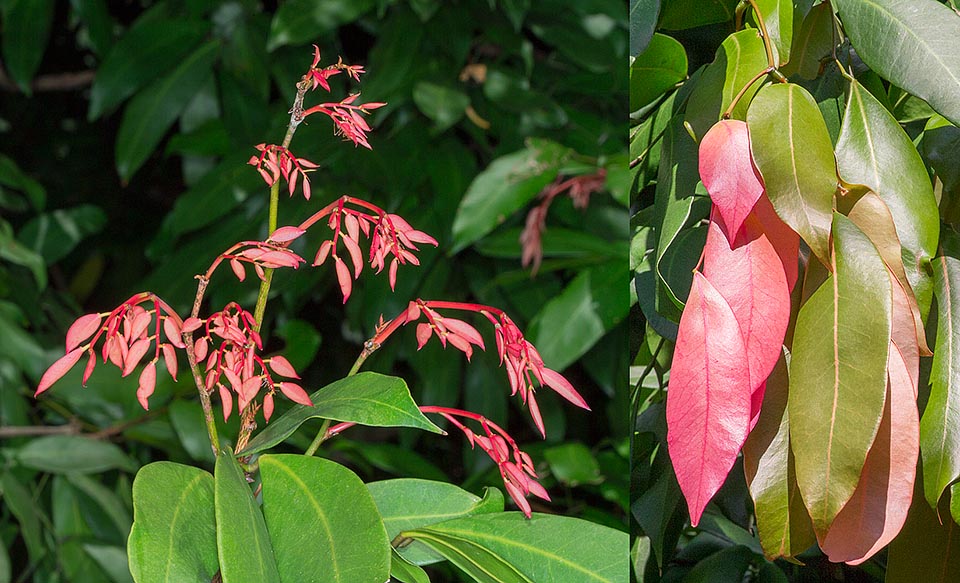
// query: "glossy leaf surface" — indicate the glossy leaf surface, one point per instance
point(658, 68)
point(778, 19)
point(924, 61)
point(367, 398)
point(838, 374)
point(726, 169)
point(708, 399)
point(793, 151)
point(322, 521)
point(72, 453)
point(243, 543)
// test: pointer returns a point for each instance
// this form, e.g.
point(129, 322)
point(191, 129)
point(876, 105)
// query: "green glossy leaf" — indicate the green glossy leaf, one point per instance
point(940, 423)
point(661, 66)
point(367, 398)
point(112, 559)
point(504, 187)
point(792, 150)
point(740, 57)
point(442, 104)
point(28, 513)
point(543, 548)
point(323, 523)
point(682, 14)
point(407, 503)
point(873, 150)
point(404, 571)
point(643, 21)
point(243, 543)
point(174, 536)
point(782, 521)
point(151, 113)
point(26, 30)
point(573, 321)
point(924, 60)
point(838, 368)
point(108, 501)
point(778, 18)
point(72, 453)
point(148, 50)
point(54, 235)
point(479, 563)
point(928, 546)
point(95, 15)
point(300, 21)
point(812, 43)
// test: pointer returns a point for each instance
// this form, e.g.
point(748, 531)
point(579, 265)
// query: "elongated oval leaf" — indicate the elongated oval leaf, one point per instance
point(812, 42)
point(839, 367)
point(878, 508)
point(174, 535)
point(658, 68)
point(940, 424)
point(778, 19)
point(782, 521)
point(924, 60)
point(727, 172)
point(708, 399)
point(26, 30)
point(793, 151)
point(323, 523)
point(408, 503)
point(367, 398)
point(72, 453)
point(404, 571)
point(873, 150)
point(151, 113)
point(542, 548)
point(243, 544)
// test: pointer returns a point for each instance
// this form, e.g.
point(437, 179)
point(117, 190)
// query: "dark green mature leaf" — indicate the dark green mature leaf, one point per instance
point(99, 24)
point(300, 21)
point(778, 18)
point(243, 543)
point(323, 523)
point(54, 235)
point(924, 60)
point(643, 21)
point(72, 453)
point(573, 321)
point(404, 571)
point(792, 150)
point(726, 566)
point(408, 503)
point(5, 574)
point(151, 113)
point(149, 49)
point(106, 499)
point(11, 175)
point(444, 105)
point(504, 187)
point(174, 535)
point(479, 563)
point(658, 68)
point(682, 14)
point(543, 548)
point(573, 464)
point(740, 57)
point(873, 150)
point(17, 498)
point(839, 366)
point(812, 43)
point(26, 29)
point(940, 423)
point(13, 251)
point(928, 546)
point(367, 398)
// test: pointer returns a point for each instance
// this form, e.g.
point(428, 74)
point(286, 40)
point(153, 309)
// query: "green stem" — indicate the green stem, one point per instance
point(320, 438)
point(268, 272)
point(368, 349)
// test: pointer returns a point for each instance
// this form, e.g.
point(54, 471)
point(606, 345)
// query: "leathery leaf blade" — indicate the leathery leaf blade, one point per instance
point(543, 548)
point(792, 149)
point(838, 374)
point(708, 398)
point(246, 554)
point(322, 521)
point(924, 60)
point(940, 423)
point(174, 534)
point(873, 150)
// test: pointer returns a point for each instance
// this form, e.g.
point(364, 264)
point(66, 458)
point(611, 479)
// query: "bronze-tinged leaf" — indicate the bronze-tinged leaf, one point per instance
point(727, 172)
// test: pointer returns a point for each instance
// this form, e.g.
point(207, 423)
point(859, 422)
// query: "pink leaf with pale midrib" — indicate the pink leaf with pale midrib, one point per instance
point(708, 399)
point(727, 172)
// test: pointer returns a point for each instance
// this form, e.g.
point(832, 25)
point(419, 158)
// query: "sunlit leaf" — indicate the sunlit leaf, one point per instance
point(656, 69)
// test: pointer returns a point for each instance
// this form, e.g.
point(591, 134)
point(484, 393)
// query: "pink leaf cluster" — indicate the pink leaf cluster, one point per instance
point(732, 328)
point(348, 118)
point(276, 161)
point(269, 254)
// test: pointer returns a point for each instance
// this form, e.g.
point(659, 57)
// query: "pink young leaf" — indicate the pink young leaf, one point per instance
point(877, 510)
point(750, 279)
point(81, 329)
point(424, 331)
point(248, 391)
point(267, 406)
point(200, 348)
point(306, 187)
point(91, 364)
point(148, 381)
point(322, 253)
point(708, 398)
point(238, 269)
point(226, 401)
point(173, 332)
point(282, 367)
point(295, 393)
point(392, 273)
point(170, 360)
point(284, 234)
point(353, 227)
point(58, 369)
point(903, 331)
point(784, 239)
point(136, 353)
point(235, 383)
point(140, 323)
point(463, 329)
point(191, 324)
point(413, 312)
point(356, 256)
point(535, 414)
point(461, 344)
point(517, 495)
point(562, 386)
point(343, 277)
point(727, 171)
